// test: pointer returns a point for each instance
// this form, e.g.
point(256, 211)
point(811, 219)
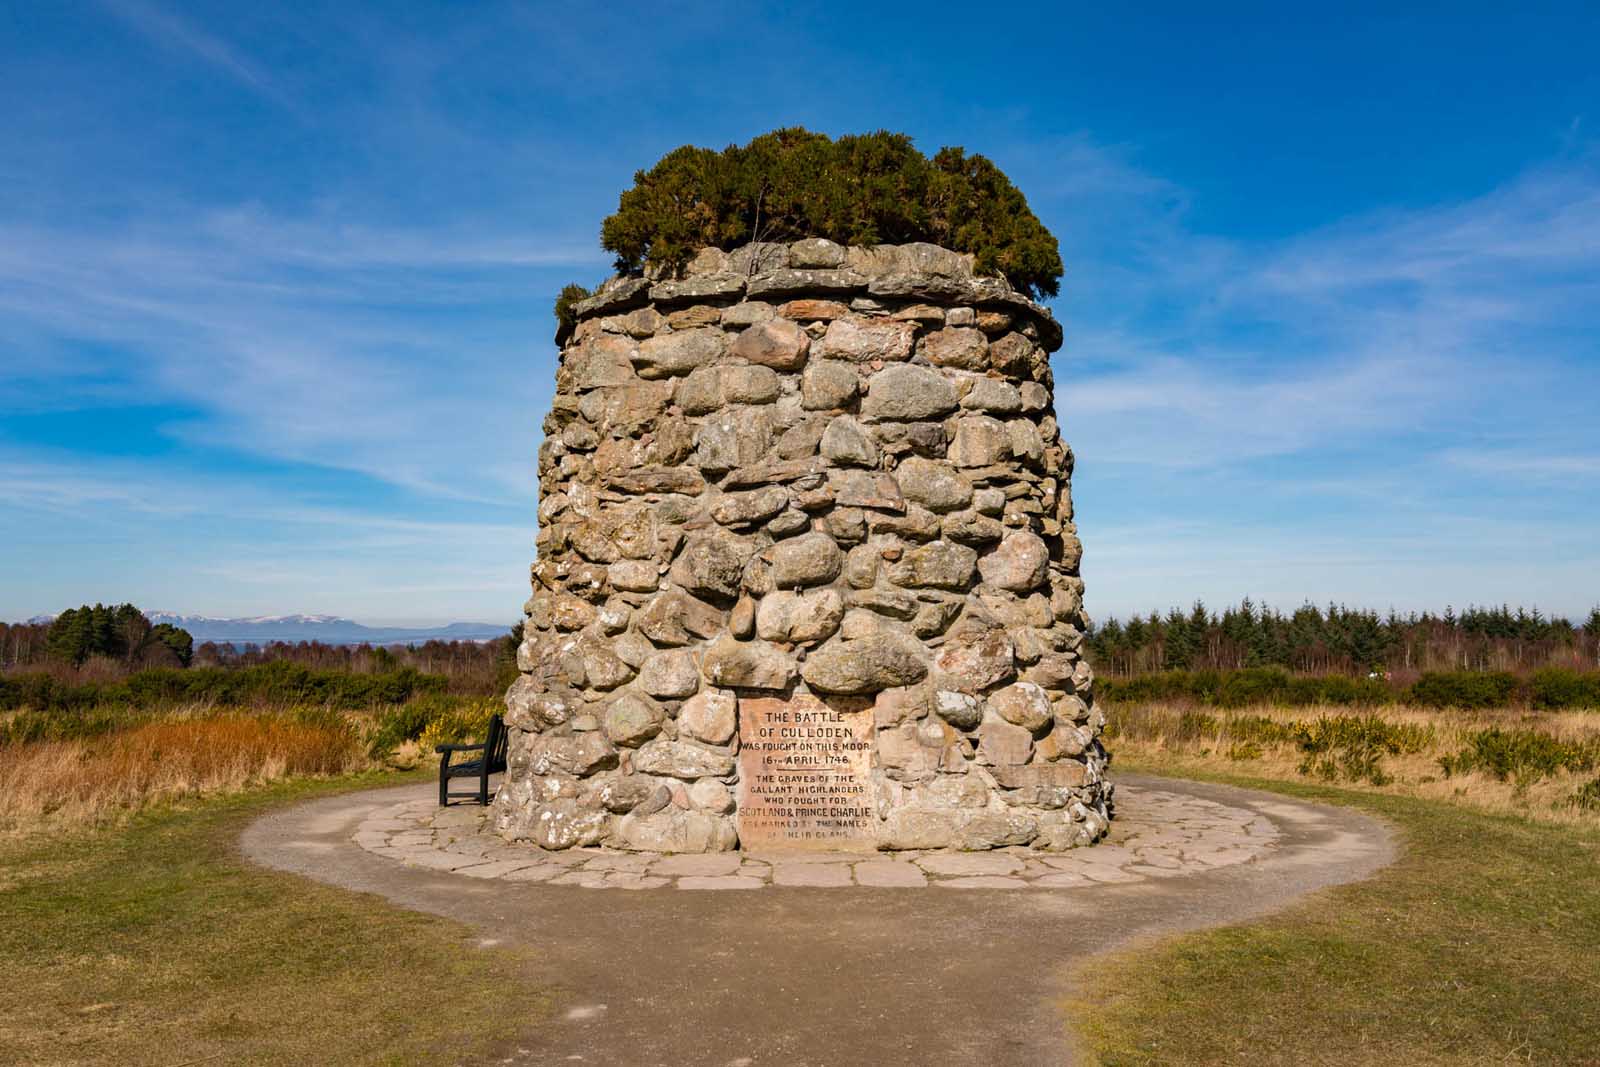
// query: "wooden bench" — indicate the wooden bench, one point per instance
point(492, 761)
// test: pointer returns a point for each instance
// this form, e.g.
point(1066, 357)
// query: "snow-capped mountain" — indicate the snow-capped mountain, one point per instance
point(329, 629)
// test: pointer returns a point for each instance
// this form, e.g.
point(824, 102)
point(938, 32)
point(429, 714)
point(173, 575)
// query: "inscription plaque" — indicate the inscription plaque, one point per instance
point(804, 774)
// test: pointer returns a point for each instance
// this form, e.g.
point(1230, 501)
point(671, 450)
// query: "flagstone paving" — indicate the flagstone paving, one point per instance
point(1165, 834)
point(766, 959)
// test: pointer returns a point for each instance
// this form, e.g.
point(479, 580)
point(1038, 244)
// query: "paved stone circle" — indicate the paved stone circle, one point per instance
point(1157, 834)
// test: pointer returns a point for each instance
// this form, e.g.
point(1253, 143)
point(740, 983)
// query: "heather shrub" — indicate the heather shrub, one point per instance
point(1557, 687)
point(280, 683)
point(566, 304)
point(1247, 687)
point(857, 190)
point(1463, 689)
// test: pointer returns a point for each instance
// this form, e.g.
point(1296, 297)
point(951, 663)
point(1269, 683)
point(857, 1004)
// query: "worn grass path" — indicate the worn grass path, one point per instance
point(823, 976)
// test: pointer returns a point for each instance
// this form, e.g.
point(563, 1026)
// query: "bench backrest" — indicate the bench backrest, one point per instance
point(494, 746)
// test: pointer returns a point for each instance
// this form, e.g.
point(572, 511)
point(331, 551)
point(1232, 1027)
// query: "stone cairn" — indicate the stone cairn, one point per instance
point(807, 572)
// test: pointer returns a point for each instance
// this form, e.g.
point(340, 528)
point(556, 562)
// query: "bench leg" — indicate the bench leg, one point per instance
point(444, 783)
point(483, 788)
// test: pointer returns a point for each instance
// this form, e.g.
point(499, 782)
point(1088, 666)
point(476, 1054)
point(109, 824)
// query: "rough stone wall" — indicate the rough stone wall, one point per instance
point(829, 476)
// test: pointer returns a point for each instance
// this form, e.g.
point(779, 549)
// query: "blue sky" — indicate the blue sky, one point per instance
point(275, 281)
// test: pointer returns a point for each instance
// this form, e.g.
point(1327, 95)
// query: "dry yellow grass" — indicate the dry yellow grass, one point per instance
point(98, 779)
point(1159, 734)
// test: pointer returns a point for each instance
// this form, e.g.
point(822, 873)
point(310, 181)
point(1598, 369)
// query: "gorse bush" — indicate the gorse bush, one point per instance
point(1556, 687)
point(1247, 687)
point(857, 190)
point(465, 721)
point(1258, 729)
point(1463, 689)
point(1527, 755)
point(1193, 725)
point(67, 724)
point(1329, 732)
point(434, 719)
point(1353, 747)
point(278, 683)
point(1550, 689)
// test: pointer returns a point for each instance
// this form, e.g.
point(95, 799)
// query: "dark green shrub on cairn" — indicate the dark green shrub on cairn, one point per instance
point(790, 184)
point(567, 304)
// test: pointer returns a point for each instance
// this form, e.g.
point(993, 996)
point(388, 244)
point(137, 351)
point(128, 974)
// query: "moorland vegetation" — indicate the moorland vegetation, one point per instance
point(90, 732)
point(1497, 700)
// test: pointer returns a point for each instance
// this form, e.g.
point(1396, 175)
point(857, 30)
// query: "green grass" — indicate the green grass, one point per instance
point(156, 943)
point(1480, 945)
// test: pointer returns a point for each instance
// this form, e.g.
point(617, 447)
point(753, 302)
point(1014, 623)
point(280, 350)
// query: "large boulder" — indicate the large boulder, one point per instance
point(632, 719)
point(1020, 564)
point(865, 340)
point(867, 665)
point(711, 565)
point(976, 660)
point(682, 759)
point(936, 565)
point(675, 830)
point(776, 343)
point(935, 485)
point(729, 663)
point(710, 716)
point(561, 824)
point(907, 392)
point(812, 559)
point(678, 352)
point(1023, 704)
point(670, 675)
point(801, 617)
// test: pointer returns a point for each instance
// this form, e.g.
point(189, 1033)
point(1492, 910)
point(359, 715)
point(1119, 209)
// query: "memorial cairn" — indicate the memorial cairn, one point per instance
point(807, 570)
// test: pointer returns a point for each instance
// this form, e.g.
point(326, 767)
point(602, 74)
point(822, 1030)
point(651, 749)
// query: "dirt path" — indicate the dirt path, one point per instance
point(834, 976)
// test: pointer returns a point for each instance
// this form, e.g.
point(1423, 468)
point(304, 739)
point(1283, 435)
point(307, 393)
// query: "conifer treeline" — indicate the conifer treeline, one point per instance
point(119, 634)
point(1341, 639)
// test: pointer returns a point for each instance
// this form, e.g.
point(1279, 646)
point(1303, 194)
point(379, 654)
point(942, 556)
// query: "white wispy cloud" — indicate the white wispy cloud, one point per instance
point(387, 350)
point(1386, 324)
point(1396, 407)
point(1548, 466)
point(179, 34)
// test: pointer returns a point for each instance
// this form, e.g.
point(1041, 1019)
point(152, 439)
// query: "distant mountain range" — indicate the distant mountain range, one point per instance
point(329, 629)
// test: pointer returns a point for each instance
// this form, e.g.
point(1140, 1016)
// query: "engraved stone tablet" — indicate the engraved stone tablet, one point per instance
point(804, 780)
